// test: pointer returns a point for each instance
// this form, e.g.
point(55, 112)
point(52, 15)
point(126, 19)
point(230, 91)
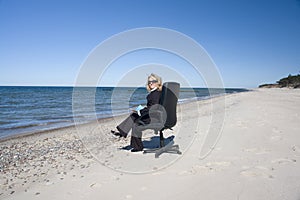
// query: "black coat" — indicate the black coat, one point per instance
point(152, 99)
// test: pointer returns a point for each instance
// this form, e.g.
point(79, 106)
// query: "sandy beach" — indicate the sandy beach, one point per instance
point(254, 153)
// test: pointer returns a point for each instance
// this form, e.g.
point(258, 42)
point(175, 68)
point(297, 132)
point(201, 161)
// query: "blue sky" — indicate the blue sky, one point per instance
point(44, 42)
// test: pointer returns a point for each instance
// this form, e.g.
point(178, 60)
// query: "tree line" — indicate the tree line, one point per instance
point(291, 81)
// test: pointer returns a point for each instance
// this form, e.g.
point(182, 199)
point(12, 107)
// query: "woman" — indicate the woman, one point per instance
point(154, 87)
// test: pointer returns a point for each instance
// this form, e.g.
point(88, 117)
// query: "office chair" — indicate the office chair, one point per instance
point(163, 116)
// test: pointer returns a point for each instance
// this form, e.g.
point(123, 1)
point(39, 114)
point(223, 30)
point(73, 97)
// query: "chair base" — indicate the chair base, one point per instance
point(169, 148)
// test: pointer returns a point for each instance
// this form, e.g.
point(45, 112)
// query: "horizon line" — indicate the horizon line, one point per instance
point(112, 86)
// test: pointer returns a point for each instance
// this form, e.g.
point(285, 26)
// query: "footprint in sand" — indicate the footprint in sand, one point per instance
point(221, 163)
point(241, 124)
point(260, 123)
point(277, 134)
point(257, 151)
point(296, 149)
point(276, 130)
point(284, 161)
point(207, 168)
point(197, 169)
point(256, 172)
point(276, 138)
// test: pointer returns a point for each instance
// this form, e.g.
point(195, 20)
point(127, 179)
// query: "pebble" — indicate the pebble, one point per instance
point(26, 162)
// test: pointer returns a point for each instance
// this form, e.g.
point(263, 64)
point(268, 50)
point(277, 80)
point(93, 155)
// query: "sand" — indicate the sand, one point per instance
point(241, 146)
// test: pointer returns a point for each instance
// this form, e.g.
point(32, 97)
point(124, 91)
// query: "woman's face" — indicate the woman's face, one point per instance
point(152, 82)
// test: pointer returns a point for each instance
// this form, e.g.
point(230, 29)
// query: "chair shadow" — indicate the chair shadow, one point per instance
point(153, 143)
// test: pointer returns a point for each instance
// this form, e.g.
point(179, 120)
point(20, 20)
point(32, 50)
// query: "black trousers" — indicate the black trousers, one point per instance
point(136, 135)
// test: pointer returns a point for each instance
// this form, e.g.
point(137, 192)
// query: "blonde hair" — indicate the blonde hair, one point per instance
point(155, 77)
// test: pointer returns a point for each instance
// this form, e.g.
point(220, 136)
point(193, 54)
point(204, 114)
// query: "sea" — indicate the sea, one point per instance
point(25, 109)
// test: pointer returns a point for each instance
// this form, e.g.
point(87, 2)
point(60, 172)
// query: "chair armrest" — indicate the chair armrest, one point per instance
point(156, 113)
point(157, 116)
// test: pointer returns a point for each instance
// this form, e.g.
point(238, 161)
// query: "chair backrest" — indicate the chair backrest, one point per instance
point(169, 98)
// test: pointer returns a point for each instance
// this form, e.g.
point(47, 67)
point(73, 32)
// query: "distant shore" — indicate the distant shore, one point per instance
point(286, 82)
point(256, 157)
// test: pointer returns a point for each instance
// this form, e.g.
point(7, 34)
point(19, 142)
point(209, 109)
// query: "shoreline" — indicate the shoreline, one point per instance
point(30, 134)
point(37, 132)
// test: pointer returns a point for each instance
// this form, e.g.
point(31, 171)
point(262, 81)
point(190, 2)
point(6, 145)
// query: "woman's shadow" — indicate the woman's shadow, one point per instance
point(153, 143)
